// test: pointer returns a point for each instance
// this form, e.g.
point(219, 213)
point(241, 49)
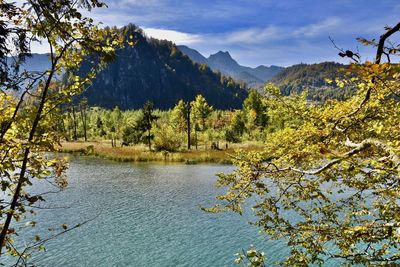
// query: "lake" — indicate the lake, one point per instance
point(145, 215)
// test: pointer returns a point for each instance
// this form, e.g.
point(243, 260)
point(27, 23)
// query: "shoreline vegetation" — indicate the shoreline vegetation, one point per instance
point(139, 153)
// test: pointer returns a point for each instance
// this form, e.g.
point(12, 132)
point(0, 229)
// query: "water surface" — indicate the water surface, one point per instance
point(147, 215)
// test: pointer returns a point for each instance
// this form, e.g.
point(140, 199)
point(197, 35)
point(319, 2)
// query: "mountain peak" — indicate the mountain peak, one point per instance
point(222, 61)
point(192, 54)
point(155, 72)
point(226, 53)
point(221, 54)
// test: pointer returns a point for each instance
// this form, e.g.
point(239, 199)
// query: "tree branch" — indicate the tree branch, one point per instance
point(357, 148)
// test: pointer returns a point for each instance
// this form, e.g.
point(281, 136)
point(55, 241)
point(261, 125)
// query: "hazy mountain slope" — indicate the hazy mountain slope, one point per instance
point(224, 63)
point(266, 73)
point(34, 63)
point(37, 62)
point(193, 54)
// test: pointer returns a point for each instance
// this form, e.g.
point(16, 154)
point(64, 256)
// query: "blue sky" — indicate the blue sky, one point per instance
point(280, 32)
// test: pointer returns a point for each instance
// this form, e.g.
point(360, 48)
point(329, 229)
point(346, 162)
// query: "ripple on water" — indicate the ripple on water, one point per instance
point(148, 215)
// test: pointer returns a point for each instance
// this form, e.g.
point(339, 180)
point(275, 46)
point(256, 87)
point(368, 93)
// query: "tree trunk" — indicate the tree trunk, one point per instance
point(74, 118)
point(195, 137)
point(63, 128)
point(149, 140)
point(83, 115)
point(188, 125)
point(69, 124)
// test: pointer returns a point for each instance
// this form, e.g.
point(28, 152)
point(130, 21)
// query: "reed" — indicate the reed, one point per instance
point(140, 153)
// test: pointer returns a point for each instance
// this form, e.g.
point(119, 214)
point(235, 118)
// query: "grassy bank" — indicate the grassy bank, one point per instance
point(142, 154)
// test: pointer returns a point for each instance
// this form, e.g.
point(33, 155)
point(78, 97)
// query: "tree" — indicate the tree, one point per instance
point(115, 120)
point(255, 108)
point(147, 121)
point(131, 134)
point(74, 122)
point(83, 107)
point(140, 131)
point(216, 133)
point(166, 138)
point(180, 118)
point(28, 123)
point(336, 173)
point(200, 111)
point(99, 127)
point(237, 127)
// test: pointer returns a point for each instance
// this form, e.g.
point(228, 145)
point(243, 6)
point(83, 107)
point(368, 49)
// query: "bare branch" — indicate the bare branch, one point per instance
point(382, 40)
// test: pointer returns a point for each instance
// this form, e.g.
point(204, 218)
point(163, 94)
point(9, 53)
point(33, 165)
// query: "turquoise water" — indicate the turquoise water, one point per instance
point(148, 215)
point(145, 215)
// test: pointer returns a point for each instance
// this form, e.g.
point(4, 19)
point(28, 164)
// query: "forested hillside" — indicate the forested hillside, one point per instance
point(312, 77)
point(156, 71)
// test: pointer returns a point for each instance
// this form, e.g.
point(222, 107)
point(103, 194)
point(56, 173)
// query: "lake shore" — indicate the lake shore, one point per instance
point(140, 153)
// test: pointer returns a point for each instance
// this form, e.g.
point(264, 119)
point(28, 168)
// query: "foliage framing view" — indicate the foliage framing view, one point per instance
point(30, 101)
point(334, 167)
point(328, 181)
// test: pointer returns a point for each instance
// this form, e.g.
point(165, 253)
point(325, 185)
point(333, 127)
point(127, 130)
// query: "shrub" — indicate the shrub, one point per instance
point(166, 139)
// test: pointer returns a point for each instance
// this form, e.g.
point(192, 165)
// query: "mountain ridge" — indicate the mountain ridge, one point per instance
point(157, 71)
point(223, 62)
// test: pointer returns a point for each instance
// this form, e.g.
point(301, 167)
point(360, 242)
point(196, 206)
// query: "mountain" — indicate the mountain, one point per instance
point(158, 71)
point(37, 63)
point(267, 73)
point(163, 73)
point(33, 63)
point(193, 54)
point(224, 63)
point(311, 77)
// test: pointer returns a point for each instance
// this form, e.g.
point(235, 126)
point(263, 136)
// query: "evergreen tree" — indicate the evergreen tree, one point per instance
point(140, 131)
point(146, 122)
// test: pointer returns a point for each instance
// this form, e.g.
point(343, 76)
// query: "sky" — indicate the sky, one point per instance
point(255, 32)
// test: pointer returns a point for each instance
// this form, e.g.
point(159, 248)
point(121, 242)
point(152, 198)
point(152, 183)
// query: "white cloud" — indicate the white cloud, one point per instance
point(280, 45)
point(247, 36)
point(174, 36)
point(250, 36)
point(254, 35)
point(40, 47)
point(326, 26)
